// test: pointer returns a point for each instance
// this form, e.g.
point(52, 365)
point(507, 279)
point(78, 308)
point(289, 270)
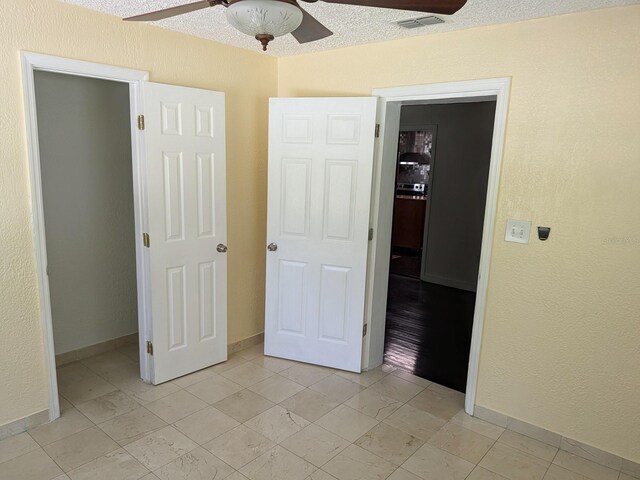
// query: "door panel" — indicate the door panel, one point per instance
point(185, 151)
point(296, 176)
point(334, 291)
point(206, 195)
point(320, 173)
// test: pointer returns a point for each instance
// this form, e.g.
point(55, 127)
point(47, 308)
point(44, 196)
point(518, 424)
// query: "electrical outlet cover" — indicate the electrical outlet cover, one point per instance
point(518, 231)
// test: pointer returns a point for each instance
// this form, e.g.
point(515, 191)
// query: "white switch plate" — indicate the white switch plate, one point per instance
point(518, 231)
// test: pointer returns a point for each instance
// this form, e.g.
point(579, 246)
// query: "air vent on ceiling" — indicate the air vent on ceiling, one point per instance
point(420, 22)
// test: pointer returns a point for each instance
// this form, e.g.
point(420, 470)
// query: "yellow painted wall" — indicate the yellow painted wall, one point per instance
point(561, 344)
point(247, 78)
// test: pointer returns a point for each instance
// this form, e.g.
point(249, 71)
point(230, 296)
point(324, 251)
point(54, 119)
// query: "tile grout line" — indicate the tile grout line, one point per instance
point(552, 460)
point(485, 454)
point(339, 403)
point(96, 425)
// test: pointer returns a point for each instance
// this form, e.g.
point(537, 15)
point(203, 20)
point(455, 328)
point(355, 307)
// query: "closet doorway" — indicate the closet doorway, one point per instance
point(87, 182)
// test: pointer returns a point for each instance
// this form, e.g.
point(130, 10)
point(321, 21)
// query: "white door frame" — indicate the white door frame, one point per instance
point(135, 79)
point(391, 100)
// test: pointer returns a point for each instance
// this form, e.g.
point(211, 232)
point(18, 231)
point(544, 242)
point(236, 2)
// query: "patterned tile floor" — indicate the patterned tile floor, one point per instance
point(262, 418)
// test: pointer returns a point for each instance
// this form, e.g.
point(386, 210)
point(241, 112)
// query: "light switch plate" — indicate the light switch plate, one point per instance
point(518, 231)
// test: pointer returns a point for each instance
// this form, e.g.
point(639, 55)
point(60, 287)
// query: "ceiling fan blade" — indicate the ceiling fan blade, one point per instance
point(310, 29)
point(173, 11)
point(445, 7)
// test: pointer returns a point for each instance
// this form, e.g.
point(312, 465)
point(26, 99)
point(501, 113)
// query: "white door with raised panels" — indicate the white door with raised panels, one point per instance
point(320, 173)
point(185, 165)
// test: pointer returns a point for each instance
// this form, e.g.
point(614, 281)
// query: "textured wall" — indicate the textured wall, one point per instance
point(247, 78)
point(561, 344)
point(85, 155)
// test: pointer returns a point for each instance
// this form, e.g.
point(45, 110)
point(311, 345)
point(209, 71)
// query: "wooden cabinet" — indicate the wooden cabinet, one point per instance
point(408, 222)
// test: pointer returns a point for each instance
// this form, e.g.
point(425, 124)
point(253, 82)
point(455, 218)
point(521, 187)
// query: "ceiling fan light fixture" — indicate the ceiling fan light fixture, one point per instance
point(264, 19)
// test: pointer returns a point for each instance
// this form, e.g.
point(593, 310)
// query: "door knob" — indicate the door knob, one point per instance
point(272, 247)
point(222, 248)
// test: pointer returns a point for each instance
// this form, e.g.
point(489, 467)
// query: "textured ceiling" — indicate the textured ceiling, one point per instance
point(351, 25)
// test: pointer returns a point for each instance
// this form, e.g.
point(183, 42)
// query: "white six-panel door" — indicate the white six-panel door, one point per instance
point(185, 164)
point(320, 172)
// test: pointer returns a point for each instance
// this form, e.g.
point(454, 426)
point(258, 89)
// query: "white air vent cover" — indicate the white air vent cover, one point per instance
point(420, 22)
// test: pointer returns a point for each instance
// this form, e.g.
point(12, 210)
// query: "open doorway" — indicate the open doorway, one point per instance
point(438, 219)
point(87, 184)
point(391, 101)
point(177, 147)
point(416, 151)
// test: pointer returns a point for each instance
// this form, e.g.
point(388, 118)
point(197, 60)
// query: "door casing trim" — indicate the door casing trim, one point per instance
point(389, 104)
point(31, 62)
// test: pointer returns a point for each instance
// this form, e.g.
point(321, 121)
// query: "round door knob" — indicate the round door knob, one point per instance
point(222, 248)
point(272, 247)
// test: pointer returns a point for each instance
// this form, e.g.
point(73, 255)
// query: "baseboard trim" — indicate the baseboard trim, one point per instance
point(97, 349)
point(554, 439)
point(24, 424)
point(449, 282)
point(245, 343)
point(109, 345)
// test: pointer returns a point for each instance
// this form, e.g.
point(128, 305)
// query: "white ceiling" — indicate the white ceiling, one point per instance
point(351, 25)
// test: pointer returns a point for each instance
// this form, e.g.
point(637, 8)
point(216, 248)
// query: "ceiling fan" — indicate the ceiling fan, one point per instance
point(267, 19)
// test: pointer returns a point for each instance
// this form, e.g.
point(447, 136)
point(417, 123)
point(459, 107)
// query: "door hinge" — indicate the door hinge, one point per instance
point(364, 330)
point(140, 122)
point(370, 234)
point(149, 347)
point(377, 130)
point(146, 240)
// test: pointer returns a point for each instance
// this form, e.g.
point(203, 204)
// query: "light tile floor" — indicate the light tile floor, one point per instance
point(262, 418)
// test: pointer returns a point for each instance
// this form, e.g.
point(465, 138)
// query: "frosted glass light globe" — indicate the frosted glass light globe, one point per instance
point(264, 17)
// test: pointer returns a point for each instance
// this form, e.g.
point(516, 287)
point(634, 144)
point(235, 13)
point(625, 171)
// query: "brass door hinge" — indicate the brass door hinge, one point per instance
point(146, 241)
point(149, 347)
point(364, 330)
point(377, 130)
point(140, 122)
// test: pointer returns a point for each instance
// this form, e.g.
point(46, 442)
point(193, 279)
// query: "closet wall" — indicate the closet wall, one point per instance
point(87, 186)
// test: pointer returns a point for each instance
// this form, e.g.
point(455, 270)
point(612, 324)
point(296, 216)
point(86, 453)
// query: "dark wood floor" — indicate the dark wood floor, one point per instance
point(406, 262)
point(428, 330)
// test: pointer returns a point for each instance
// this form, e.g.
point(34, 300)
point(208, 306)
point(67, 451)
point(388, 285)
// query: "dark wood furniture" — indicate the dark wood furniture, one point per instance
point(408, 221)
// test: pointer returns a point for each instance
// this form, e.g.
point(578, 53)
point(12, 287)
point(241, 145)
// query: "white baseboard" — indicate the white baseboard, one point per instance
point(109, 345)
point(557, 440)
point(246, 343)
point(97, 349)
point(24, 424)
